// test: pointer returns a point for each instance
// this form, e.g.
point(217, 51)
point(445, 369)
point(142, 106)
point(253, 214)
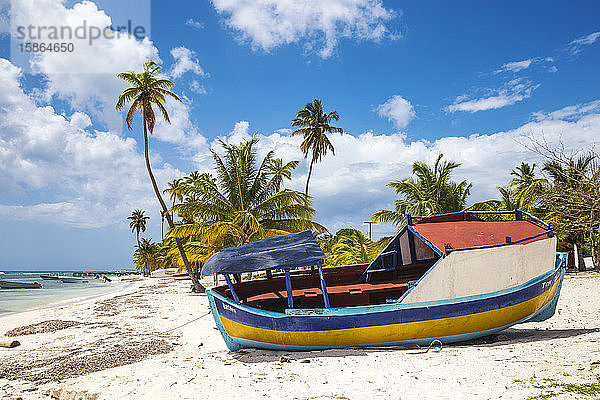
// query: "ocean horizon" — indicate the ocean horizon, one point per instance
point(53, 292)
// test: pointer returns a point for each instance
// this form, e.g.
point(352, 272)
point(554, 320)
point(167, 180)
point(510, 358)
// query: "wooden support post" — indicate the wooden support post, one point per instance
point(323, 286)
point(269, 274)
point(288, 288)
point(233, 293)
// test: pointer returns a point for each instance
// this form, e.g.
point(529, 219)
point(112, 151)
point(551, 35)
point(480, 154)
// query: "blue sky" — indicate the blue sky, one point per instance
point(409, 79)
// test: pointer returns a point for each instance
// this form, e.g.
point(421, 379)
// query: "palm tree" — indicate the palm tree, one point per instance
point(242, 203)
point(432, 192)
point(526, 187)
point(138, 223)
point(314, 123)
point(352, 248)
point(566, 178)
point(145, 92)
point(146, 255)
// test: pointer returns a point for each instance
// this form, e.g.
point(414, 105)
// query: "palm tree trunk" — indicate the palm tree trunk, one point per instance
point(309, 173)
point(580, 259)
point(197, 286)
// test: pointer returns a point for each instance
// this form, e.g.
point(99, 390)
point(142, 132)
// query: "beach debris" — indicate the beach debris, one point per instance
point(64, 394)
point(284, 359)
point(97, 356)
point(436, 345)
point(9, 343)
point(305, 361)
point(42, 327)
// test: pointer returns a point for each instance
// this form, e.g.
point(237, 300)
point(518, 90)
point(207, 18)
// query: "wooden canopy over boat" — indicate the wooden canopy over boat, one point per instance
point(448, 277)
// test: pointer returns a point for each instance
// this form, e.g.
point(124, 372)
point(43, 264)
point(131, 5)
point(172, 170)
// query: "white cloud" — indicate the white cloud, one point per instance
point(87, 86)
point(86, 178)
point(577, 45)
point(569, 113)
point(267, 24)
point(512, 92)
point(185, 61)
point(516, 66)
point(398, 110)
point(350, 186)
point(194, 24)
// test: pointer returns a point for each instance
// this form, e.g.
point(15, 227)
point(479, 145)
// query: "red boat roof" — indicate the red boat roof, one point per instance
point(472, 233)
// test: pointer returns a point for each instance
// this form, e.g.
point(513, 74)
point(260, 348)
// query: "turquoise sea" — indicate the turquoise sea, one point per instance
point(52, 292)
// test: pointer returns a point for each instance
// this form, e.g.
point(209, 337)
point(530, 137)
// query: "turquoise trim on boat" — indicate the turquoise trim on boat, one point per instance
point(232, 344)
point(549, 309)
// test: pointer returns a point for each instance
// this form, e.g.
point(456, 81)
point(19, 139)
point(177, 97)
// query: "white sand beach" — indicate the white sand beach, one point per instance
point(149, 342)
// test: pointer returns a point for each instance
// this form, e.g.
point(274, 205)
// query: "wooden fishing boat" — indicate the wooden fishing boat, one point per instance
point(181, 277)
point(19, 285)
point(450, 277)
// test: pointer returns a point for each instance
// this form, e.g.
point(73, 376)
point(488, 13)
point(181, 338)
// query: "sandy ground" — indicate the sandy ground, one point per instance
point(157, 342)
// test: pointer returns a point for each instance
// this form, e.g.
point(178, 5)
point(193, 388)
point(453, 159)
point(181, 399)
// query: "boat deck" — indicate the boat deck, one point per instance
point(342, 288)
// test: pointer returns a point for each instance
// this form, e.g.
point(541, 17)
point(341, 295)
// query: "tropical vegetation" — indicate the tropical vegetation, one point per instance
point(243, 200)
point(147, 91)
point(431, 191)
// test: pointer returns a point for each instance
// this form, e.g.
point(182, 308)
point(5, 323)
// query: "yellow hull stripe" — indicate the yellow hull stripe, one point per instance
point(395, 332)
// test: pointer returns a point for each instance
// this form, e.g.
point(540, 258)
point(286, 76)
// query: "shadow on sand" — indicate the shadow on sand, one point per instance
point(507, 337)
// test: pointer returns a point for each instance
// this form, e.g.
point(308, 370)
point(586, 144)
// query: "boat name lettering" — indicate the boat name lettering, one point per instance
point(229, 308)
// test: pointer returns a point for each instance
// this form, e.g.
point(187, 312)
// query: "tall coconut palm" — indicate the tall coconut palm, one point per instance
point(242, 203)
point(148, 91)
point(314, 123)
point(138, 223)
point(432, 192)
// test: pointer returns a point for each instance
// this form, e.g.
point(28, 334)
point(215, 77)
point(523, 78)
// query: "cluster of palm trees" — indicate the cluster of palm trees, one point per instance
point(245, 199)
point(554, 199)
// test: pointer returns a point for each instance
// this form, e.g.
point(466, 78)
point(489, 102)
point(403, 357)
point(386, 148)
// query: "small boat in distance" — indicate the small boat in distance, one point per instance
point(19, 285)
point(448, 277)
point(49, 277)
point(73, 279)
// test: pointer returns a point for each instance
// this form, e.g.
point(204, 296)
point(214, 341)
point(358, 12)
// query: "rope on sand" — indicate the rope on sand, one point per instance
point(438, 349)
point(187, 323)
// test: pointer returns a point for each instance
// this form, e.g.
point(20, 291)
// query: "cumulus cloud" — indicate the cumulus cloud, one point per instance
point(512, 92)
point(185, 61)
point(90, 178)
point(576, 46)
point(91, 87)
point(350, 186)
point(398, 110)
point(267, 24)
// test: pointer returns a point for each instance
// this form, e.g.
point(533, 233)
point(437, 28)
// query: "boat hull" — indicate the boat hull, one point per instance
point(386, 324)
point(19, 285)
